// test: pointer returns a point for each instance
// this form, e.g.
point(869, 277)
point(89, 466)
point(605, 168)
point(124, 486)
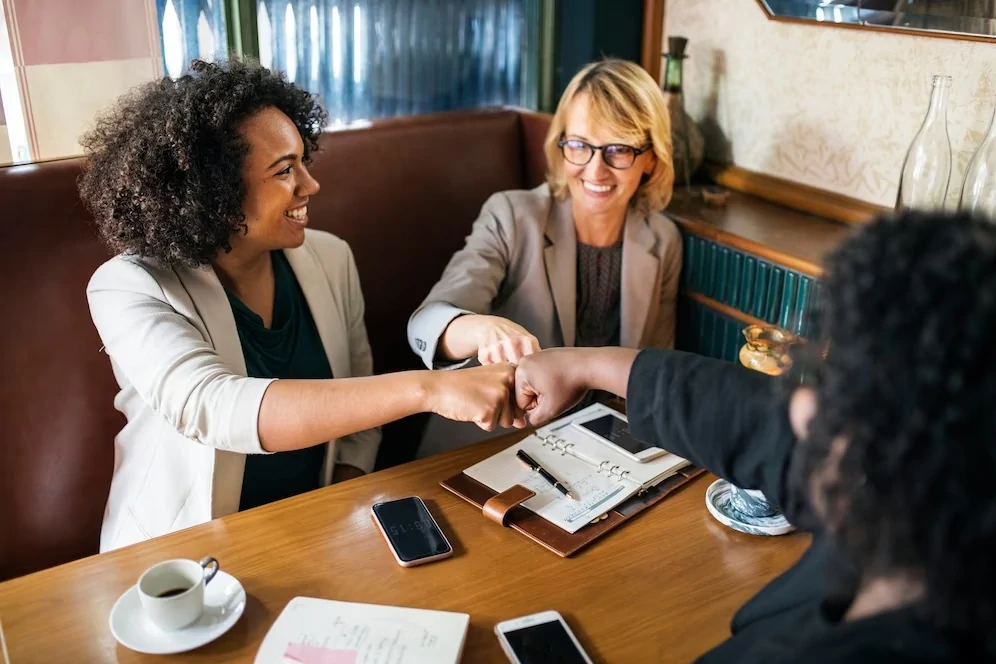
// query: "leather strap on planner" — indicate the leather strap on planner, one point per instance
point(548, 535)
point(498, 506)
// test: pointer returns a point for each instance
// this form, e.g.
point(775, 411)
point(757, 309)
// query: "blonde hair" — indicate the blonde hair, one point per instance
point(624, 98)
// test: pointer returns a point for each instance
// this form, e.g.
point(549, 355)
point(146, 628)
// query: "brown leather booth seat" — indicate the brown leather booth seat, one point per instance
point(402, 192)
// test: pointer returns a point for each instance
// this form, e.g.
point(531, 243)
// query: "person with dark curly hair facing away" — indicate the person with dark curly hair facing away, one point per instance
point(235, 333)
point(886, 452)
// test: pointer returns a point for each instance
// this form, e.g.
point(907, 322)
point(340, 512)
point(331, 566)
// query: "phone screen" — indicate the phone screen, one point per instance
point(546, 643)
point(616, 430)
point(410, 529)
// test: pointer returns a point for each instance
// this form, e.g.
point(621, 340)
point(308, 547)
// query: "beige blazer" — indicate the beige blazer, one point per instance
point(520, 262)
point(192, 412)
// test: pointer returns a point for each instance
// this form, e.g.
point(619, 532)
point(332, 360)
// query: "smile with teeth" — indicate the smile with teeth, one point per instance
point(298, 214)
point(597, 188)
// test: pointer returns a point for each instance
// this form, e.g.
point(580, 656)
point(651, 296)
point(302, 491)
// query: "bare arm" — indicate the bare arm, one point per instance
point(489, 338)
point(182, 379)
point(295, 414)
point(608, 368)
point(300, 413)
point(459, 340)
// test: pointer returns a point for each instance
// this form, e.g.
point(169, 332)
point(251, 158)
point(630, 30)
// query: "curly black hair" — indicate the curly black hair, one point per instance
point(163, 177)
point(909, 315)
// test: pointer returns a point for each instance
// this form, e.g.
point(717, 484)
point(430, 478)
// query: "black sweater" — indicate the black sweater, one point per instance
point(727, 419)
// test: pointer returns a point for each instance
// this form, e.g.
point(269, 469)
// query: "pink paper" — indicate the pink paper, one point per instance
point(305, 654)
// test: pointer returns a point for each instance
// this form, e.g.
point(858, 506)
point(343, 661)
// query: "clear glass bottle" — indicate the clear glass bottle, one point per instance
point(978, 193)
point(923, 183)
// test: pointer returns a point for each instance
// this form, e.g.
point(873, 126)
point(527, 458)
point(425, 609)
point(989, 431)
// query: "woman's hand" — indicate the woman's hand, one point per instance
point(482, 395)
point(501, 340)
point(550, 382)
point(494, 339)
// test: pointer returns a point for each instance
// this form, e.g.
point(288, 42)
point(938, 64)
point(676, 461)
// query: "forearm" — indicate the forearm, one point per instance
point(606, 369)
point(460, 339)
point(295, 414)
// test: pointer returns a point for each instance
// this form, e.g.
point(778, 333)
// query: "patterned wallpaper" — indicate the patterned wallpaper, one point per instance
point(829, 107)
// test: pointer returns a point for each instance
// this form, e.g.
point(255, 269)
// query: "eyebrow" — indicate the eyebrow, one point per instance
point(579, 137)
point(287, 157)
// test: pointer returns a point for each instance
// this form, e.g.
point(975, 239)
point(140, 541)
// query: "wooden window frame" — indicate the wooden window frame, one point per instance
point(653, 37)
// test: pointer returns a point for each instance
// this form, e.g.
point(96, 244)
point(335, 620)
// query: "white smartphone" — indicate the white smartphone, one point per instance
point(542, 638)
point(412, 534)
point(613, 429)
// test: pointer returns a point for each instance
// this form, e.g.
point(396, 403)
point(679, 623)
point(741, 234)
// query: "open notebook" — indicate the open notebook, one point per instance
point(322, 631)
point(599, 476)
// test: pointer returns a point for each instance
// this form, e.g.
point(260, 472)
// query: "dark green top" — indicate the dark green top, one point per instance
point(289, 348)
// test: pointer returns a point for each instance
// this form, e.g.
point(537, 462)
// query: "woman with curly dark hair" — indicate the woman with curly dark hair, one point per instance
point(235, 333)
point(887, 455)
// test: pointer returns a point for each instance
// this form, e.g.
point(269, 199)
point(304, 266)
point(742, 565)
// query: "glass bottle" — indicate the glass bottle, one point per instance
point(923, 184)
point(688, 143)
point(978, 194)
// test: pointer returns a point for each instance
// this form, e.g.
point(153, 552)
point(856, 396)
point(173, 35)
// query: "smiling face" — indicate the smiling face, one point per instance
point(611, 102)
point(277, 184)
point(596, 187)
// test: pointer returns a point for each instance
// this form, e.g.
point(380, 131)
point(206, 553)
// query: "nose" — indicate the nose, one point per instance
point(597, 170)
point(306, 184)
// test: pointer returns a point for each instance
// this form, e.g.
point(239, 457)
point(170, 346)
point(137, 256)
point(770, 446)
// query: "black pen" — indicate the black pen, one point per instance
point(557, 484)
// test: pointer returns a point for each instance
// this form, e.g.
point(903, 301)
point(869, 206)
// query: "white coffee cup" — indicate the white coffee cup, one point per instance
point(172, 592)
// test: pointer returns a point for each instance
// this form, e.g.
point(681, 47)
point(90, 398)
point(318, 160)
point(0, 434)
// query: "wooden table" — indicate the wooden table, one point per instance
point(661, 588)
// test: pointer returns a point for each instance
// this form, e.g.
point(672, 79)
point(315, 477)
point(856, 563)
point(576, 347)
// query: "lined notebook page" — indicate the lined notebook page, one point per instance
point(597, 492)
point(321, 631)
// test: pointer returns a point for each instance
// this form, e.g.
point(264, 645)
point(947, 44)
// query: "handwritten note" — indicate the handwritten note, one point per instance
point(317, 631)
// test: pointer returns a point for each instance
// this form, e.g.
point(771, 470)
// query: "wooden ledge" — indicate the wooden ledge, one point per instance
point(801, 197)
point(796, 240)
point(724, 309)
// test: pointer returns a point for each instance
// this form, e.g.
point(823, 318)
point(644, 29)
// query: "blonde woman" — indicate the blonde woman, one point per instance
point(586, 259)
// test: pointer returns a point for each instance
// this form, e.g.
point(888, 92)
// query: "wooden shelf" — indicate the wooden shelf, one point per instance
point(796, 240)
point(727, 311)
point(793, 195)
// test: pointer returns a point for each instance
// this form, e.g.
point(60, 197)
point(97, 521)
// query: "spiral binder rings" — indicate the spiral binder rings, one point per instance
point(565, 447)
point(610, 487)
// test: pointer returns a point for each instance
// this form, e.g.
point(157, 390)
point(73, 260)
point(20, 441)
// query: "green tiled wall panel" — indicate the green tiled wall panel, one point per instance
point(749, 284)
point(746, 283)
point(705, 331)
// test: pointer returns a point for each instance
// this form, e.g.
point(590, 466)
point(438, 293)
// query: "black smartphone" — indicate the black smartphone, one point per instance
point(613, 430)
point(412, 534)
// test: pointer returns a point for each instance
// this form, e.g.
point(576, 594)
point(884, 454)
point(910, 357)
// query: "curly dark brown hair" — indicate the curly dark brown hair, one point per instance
point(163, 175)
point(909, 315)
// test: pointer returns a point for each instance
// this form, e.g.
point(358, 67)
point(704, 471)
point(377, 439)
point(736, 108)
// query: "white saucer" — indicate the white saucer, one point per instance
point(224, 602)
point(717, 500)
